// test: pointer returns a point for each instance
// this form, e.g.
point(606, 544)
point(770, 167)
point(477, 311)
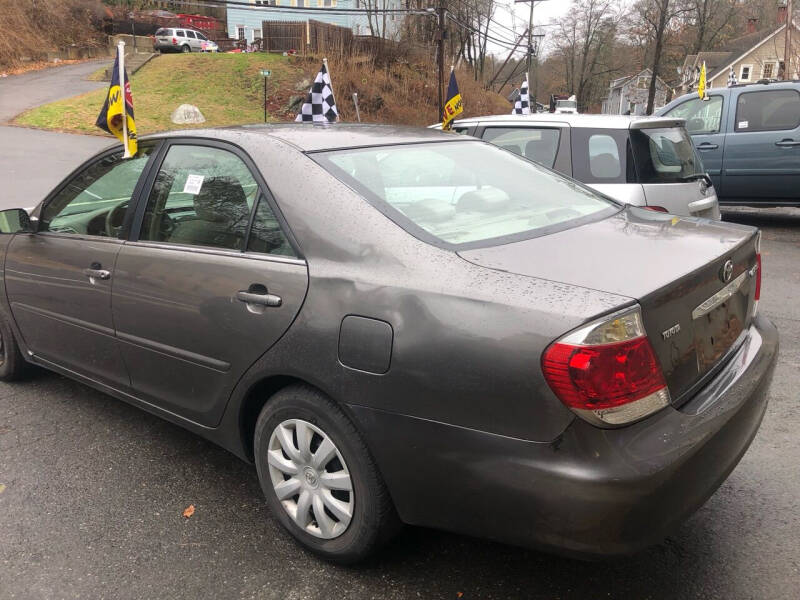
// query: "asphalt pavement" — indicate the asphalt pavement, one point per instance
point(31, 161)
point(92, 493)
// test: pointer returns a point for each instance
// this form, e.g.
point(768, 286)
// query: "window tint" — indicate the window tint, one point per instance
point(179, 33)
point(538, 145)
point(701, 116)
point(200, 36)
point(770, 110)
point(204, 196)
point(470, 192)
point(190, 34)
point(266, 235)
point(164, 32)
point(82, 206)
point(604, 160)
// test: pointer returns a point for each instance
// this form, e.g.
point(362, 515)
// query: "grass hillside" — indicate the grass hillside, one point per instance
point(229, 90)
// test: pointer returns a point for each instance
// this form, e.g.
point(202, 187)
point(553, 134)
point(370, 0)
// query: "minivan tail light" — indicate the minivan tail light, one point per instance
point(607, 371)
point(656, 208)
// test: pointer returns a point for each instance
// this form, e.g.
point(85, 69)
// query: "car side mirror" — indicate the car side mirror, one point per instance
point(15, 220)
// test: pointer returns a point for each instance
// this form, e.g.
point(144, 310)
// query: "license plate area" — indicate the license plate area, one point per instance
point(717, 330)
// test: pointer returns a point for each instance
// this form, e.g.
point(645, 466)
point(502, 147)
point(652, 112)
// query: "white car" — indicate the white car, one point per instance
point(169, 39)
point(643, 161)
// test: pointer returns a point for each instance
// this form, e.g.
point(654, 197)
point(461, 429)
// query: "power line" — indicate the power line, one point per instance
point(502, 42)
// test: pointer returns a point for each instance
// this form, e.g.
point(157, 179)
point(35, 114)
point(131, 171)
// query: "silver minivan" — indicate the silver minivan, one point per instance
point(180, 40)
point(643, 161)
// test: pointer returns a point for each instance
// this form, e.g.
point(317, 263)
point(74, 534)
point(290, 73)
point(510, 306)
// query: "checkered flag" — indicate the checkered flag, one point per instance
point(522, 106)
point(319, 107)
point(732, 78)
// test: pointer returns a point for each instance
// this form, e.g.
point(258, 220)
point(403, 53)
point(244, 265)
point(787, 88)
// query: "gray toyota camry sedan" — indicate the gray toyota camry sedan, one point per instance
point(402, 326)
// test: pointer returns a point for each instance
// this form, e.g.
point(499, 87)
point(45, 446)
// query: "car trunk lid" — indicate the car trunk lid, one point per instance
point(694, 308)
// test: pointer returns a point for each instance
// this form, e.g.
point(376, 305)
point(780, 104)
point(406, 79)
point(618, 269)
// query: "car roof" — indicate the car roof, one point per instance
point(308, 137)
point(581, 120)
point(755, 86)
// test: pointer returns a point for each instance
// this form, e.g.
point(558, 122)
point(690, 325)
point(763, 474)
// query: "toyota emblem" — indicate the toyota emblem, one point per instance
point(727, 271)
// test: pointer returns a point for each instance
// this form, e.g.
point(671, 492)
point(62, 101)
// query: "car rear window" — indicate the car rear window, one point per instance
point(534, 143)
point(464, 193)
point(163, 32)
point(768, 111)
point(664, 155)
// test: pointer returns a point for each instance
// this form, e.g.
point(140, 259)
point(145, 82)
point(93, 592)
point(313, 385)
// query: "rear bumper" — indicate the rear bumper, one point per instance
point(590, 492)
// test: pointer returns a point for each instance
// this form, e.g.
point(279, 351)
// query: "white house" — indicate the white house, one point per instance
point(628, 95)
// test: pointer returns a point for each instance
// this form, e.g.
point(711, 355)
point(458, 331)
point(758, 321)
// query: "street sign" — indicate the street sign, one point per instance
point(265, 73)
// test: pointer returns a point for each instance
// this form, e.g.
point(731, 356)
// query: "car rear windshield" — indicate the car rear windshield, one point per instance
point(465, 193)
point(664, 155)
point(164, 32)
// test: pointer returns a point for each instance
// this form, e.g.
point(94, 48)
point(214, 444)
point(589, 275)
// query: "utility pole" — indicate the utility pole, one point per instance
point(532, 56)
point(440, 56)
point(787, 50)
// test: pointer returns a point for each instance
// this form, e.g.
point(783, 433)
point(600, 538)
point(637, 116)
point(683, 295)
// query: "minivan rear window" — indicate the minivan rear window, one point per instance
point(664, 155)
point(465, 193)
point(163, 32)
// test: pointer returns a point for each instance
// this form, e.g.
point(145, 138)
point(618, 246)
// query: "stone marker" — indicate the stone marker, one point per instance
point(187, 114)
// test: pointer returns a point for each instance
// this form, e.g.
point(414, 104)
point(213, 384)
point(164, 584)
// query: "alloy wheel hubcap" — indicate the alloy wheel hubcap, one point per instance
point(310, 478)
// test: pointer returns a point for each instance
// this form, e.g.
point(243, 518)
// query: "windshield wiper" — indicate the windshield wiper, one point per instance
point(696, 177)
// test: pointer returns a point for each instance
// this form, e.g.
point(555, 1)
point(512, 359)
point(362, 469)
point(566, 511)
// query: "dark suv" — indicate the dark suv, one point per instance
point(749, 138)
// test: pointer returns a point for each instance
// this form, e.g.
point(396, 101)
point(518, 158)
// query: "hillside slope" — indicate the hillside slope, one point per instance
point(229, 90)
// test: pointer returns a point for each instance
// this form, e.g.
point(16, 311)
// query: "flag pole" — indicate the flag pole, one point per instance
point(328, 71)
point(121, 51)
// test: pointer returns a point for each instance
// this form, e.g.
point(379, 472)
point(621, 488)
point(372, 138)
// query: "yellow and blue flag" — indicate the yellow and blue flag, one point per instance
point(701, 87)
point(117, 104)
point(453, 106)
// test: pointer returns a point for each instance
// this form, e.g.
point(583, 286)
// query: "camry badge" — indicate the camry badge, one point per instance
point(726, 272)
point(671, 331)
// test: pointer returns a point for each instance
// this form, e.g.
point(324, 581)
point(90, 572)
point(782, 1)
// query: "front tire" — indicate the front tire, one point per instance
point(12, 365)
point(319, 478)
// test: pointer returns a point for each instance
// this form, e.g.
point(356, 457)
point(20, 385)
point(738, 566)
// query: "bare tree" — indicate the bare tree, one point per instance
point(584, 42)
point(657, 17)
point(710, 21)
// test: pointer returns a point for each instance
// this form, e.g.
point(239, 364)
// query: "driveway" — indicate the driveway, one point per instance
point(32, 161)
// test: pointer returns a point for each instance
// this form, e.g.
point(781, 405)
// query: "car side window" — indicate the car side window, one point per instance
point(770, 110)
point(83, 205)
point(702, 116)
point(190, 34)
point(204, 196)
point(604, 162)
point(537, 144)
point(179, 33)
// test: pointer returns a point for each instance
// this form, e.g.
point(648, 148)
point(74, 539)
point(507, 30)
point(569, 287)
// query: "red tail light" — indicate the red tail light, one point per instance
point(607, 372)
point(656, 208)
point(758, 277)
point(174, 41)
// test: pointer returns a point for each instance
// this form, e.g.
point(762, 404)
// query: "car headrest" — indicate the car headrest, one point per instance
point(605, 165)
point(484, 200)
point(539, 151)
point(430, 210)
point(221, 200)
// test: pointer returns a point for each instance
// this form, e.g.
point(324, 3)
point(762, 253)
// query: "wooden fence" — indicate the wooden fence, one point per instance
point(311, 36)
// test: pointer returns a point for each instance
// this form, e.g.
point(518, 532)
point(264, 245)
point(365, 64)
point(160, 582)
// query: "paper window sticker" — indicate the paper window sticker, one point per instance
point(193, 184)
point(743, 124)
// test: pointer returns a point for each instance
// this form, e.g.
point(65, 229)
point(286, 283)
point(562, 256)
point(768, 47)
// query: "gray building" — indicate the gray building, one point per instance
point(628, 95)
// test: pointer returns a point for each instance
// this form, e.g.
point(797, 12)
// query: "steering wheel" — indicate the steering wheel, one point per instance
point(115, 218)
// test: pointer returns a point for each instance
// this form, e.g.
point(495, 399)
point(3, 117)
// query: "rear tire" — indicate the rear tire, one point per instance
point(185, 49)
point(343, 526)
point(12, 365)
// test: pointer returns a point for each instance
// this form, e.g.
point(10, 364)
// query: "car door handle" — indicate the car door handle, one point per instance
point(97, 274)
point(707, 146)
point(787, 143)
point(258, 298)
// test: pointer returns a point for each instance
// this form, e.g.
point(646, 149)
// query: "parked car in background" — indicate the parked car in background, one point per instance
point(181, 40)
point(748, 136)
point(643, 161)
point(401, 325)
